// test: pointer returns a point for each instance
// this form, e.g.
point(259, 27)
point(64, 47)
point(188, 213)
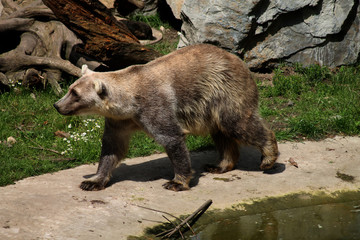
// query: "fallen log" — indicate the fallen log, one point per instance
point(34, 39)
point(105, 39)
point(36, 48)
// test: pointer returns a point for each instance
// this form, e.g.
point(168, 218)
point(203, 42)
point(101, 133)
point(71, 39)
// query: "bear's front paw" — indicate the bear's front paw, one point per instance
point(91, 186)
point(174, 186)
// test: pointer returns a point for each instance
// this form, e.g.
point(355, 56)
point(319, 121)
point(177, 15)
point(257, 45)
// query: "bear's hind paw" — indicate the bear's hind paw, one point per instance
point(267, 164)
point(91, 186)
point(214, 169)
point(174, 186)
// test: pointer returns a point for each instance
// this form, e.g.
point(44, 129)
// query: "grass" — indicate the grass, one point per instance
point(170, 38)
point(152, 20)
point(312, 102)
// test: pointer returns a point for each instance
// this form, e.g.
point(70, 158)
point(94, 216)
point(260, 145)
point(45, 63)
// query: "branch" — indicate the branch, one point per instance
point(44, 149)
point(9, 4)
point(33, 12)
point(40, 147)
point(15, 61)
point(194, 216)
point(15, 24)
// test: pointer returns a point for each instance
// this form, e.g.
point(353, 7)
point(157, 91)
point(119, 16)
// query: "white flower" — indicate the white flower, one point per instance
point(69, 126)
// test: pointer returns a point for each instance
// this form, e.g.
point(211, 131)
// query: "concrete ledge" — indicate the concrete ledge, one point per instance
point(52, 206)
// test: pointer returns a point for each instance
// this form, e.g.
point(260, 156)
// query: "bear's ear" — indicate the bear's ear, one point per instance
point(85, 70)
point(100, 88)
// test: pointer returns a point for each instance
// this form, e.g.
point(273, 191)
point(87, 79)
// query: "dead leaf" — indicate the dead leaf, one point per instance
point(292, 162)
point(62, 134)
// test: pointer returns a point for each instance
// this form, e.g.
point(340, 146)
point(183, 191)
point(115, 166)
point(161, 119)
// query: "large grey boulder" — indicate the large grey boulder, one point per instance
point(266, 32)
point(175, 6)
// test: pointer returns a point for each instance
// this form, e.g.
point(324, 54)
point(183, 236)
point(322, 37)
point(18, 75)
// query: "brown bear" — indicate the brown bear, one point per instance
point(199, 89)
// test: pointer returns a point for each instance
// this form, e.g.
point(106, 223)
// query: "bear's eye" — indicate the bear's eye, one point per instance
point(74, 93)
point(103, 92)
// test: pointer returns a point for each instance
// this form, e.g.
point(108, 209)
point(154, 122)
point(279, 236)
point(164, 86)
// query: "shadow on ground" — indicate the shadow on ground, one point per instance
point(161, 168)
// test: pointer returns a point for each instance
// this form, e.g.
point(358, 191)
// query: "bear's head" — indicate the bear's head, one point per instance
point(85, 96)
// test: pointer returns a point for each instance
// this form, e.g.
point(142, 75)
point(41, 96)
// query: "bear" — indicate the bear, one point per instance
point(199, 89)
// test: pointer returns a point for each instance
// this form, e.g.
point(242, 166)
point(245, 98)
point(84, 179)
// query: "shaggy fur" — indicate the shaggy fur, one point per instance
point(199, 89)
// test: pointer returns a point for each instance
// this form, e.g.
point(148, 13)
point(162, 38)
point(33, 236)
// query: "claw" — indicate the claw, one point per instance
point(91, 186)
point(267, 163)
point(174, 186)
point(213, 169)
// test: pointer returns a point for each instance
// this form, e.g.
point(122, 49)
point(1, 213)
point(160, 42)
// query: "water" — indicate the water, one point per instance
point(308, 216)
point(325, 221)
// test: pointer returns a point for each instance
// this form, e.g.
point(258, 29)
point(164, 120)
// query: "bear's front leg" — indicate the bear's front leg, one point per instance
point(115, 144)
point(180, 158)
point(173, 140)
point(103, 174)
point(160, 122)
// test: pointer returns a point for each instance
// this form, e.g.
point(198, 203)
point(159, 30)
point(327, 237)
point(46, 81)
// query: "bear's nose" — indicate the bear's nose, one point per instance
point(56, 106)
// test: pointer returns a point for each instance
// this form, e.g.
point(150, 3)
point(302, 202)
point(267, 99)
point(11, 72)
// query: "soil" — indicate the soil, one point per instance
point(52, 206)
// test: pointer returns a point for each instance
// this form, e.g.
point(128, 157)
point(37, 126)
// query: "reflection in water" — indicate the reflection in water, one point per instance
point(326, 221)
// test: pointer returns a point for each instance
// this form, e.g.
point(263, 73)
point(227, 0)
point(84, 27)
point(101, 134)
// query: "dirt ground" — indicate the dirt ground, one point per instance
point(52, 206)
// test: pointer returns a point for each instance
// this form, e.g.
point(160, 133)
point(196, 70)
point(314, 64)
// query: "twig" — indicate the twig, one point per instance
point(62, 159)
point(39, 146)
point(173, 225)
point(197, 213)
point(149, 220)
point(46, 149)
point(159, 211)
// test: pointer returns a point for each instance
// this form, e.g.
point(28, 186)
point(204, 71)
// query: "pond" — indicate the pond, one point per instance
point(316, 215)
point(325, 221)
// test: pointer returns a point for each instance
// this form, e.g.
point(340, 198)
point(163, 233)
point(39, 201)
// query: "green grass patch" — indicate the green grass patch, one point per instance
point(151, 20)
point(170, 38)
point(312, 102)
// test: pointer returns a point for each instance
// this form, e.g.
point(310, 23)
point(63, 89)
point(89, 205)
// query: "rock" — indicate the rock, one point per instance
point(10, 141)
point(150, 7)
point(223, 23)
point(108, 3)
point(334, 53)
point(32, 95)
point(290, 103)
point(4, 83)
point(126, 7)
point(175, 6)
point(265, 33)
point(275, 9)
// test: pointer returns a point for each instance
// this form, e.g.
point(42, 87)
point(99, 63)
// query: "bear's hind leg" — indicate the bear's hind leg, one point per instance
point(269, 151)
point(255, 132)
point(229, 154)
